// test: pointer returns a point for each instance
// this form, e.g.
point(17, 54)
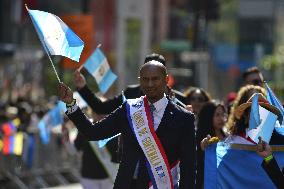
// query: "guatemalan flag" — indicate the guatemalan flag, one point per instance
point(227, 167)
point(98, 67)
point(272, 99)
point(51, 119)
point(56, 37)
point(261, 122)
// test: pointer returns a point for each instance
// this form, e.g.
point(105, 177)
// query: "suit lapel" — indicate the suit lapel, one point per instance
point(168, 116)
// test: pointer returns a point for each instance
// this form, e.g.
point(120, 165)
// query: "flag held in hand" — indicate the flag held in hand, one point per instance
point(98, 67)
point(273, 100)
point(56, 37)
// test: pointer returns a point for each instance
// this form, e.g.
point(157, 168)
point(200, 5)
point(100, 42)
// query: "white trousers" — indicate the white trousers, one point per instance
point(96, 183)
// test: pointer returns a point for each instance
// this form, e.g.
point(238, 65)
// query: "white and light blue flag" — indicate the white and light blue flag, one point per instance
point(51, 119)
point(266, 126)
point(273, 100)
point(97, 65)
point(56, 37)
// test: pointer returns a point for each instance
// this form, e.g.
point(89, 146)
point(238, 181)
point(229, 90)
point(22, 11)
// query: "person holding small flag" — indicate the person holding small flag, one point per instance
point(132, 91)
point(158, 134)
point(238, 123)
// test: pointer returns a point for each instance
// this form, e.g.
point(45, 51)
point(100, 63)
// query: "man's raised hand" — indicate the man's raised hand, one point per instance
point(65, 93)
point(79, 79)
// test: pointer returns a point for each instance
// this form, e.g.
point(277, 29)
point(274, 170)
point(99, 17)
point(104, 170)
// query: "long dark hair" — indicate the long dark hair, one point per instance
point(240, 124)
point(205, 127)
point(205, 120)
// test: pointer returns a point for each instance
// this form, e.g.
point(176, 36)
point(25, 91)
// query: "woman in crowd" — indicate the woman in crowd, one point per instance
point(212, 118)
point(238, 120)
point(196, 97)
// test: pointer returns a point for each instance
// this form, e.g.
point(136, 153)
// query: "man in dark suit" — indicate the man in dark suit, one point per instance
point(174, 127)
point(270, 165)
point(132, 91)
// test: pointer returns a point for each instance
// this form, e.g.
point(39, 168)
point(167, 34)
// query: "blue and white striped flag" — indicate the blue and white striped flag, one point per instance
point(273, 100)
point(51, 119)
point(98, 67)
point(265, 127)
point(56, 37)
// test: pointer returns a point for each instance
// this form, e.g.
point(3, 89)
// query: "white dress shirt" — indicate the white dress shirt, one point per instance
point(160, 107)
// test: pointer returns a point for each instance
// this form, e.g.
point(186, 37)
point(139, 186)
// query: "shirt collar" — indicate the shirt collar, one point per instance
point(160, 104)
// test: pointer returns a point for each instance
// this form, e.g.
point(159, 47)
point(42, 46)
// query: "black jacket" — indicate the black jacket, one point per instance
point(274, 172)
point(91, 166)
point(176, 133)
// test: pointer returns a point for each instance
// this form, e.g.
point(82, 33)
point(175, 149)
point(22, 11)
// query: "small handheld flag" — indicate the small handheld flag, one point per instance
point(273, 100)
point(51, 119)
point(266, 126)
point(98, 67)
point(56, 37)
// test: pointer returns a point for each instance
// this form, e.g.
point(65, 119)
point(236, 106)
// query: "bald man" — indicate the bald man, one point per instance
point(158, 135)
point(132, 91)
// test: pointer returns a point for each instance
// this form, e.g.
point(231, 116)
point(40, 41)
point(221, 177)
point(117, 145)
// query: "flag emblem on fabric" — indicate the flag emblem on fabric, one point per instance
point(97, 65)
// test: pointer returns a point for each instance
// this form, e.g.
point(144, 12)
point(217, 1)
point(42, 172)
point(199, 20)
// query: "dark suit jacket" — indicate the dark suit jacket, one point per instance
point(274, 172)
point(176, 133)
point(276, 138)
point(91, 166)
point(106, 107)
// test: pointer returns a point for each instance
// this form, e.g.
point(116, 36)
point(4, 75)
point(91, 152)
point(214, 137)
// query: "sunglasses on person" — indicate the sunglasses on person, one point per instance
point(257, 82)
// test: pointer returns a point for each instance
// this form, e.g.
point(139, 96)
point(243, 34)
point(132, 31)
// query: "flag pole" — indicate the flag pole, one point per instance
point(45, 50)
point(80, 68)
point(53, 67)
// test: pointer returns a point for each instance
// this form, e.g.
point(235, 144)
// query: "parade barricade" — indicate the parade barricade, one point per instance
point(40, 165)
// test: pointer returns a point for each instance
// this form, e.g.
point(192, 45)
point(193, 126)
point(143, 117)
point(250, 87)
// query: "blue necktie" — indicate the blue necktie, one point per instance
point(152, 109)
